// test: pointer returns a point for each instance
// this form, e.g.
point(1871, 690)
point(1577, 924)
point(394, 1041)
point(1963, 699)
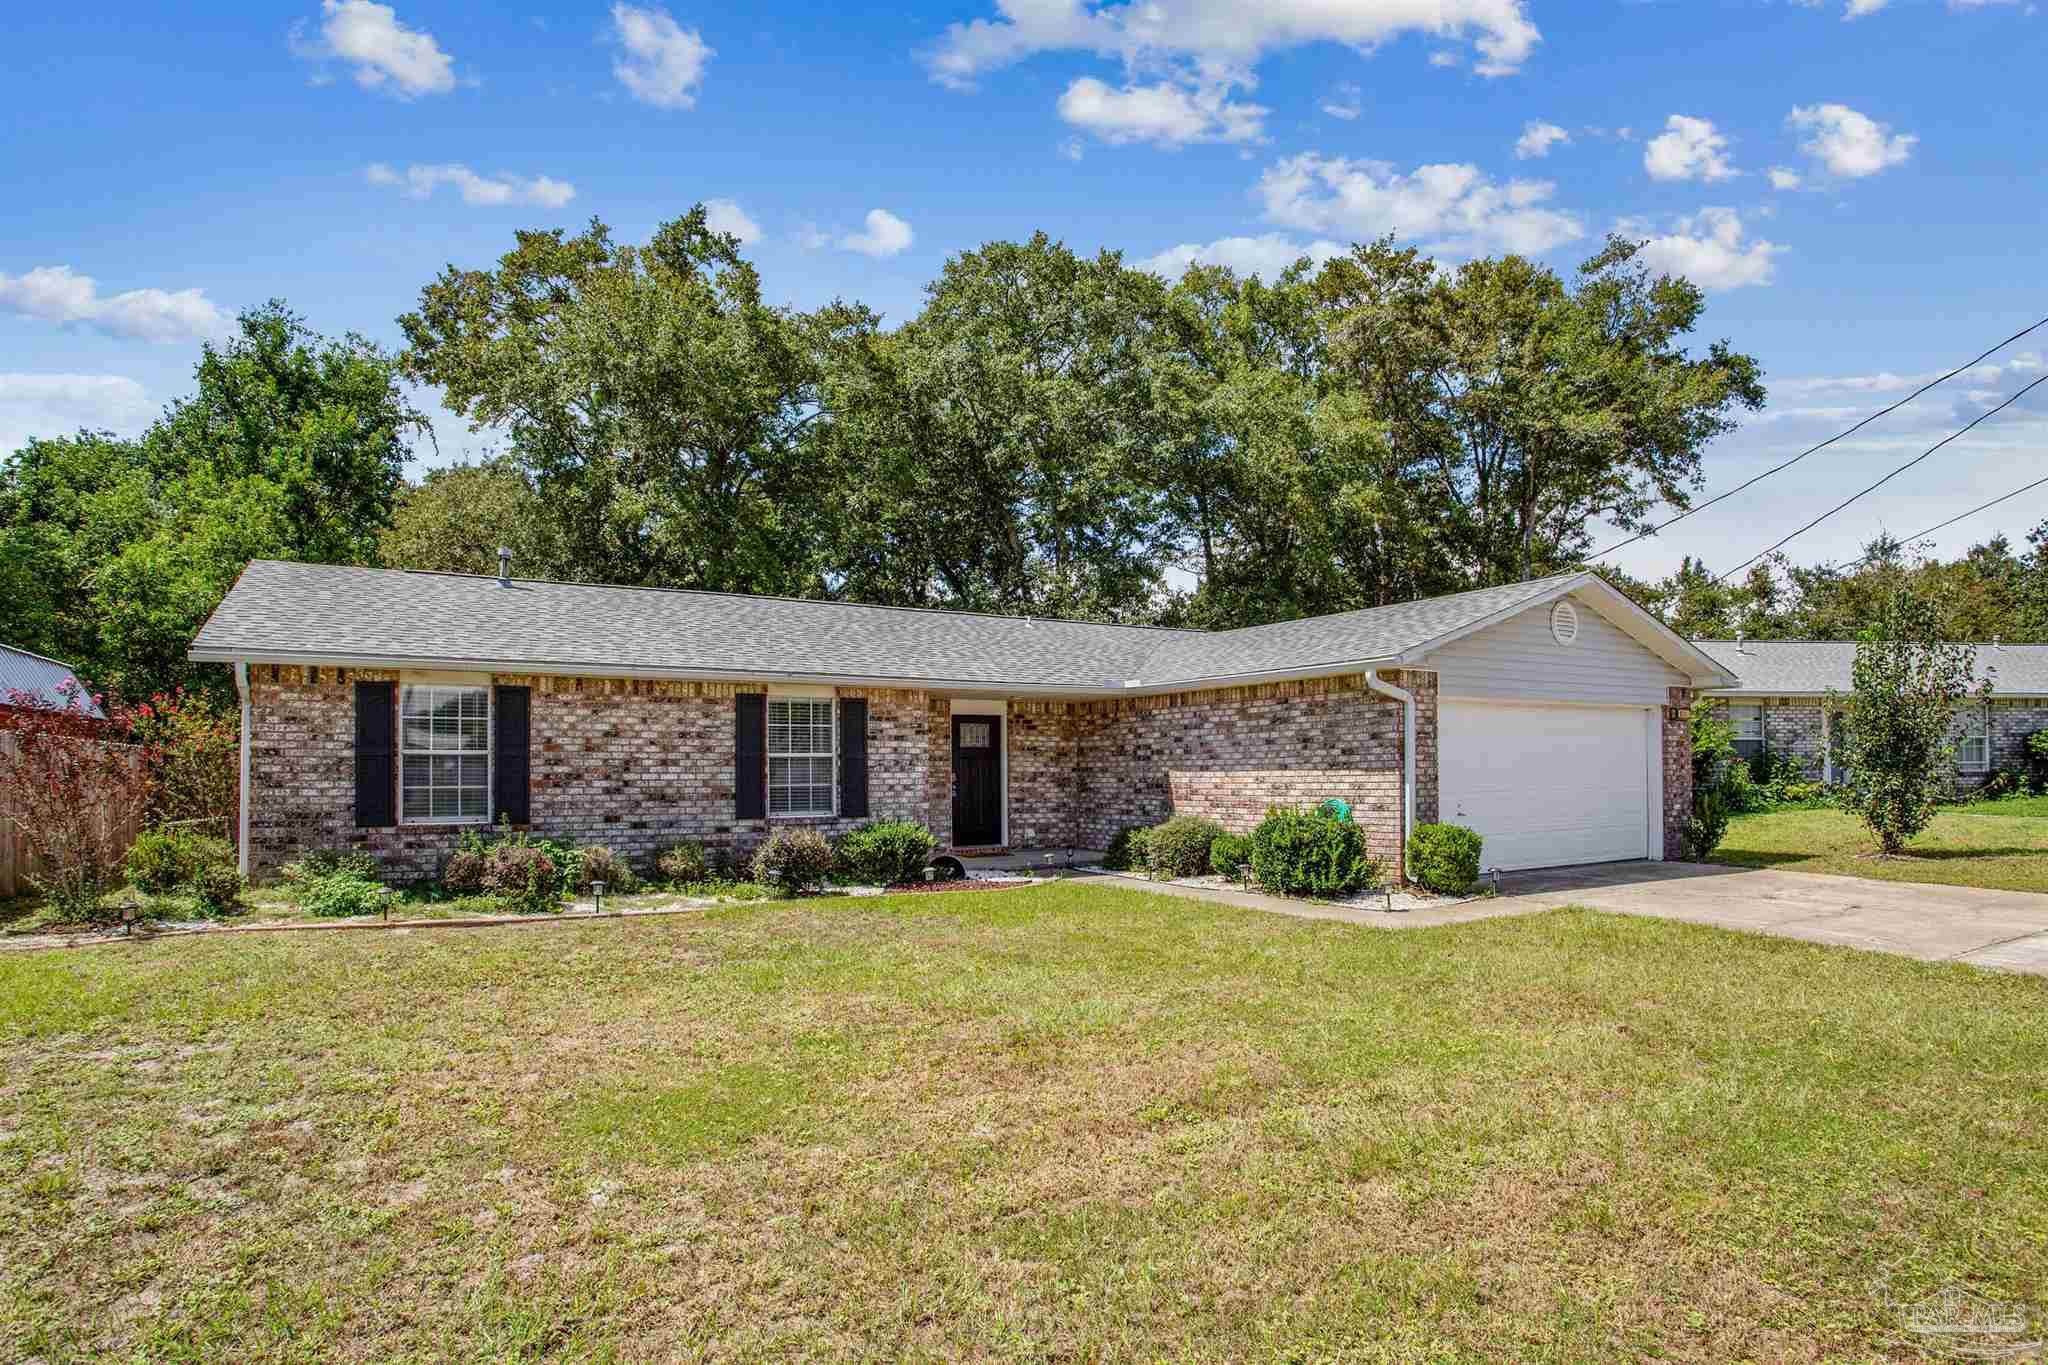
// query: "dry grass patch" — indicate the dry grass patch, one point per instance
point(1074, 1122)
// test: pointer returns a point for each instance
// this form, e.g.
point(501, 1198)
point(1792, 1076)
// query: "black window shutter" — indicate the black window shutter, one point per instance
point(512, 754)
point(853, 757)
point(750, 756)
point(376, 754)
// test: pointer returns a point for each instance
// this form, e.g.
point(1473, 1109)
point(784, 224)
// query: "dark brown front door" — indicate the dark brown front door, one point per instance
point(977, 781)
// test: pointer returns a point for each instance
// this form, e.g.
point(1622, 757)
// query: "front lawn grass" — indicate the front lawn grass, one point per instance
point(2026, 807)
point(1076, 1122)
point(1964, 846)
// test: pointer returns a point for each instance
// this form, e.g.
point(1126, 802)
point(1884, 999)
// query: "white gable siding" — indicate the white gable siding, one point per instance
point(1519, 660)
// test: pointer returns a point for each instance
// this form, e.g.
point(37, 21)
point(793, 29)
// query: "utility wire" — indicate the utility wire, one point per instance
point(1881, 412)
point(1872, 488)
point(1943, 525)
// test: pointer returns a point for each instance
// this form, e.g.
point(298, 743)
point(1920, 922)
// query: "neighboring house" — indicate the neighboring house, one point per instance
point(50, 681)
point(1778, 704)
point(389, 710)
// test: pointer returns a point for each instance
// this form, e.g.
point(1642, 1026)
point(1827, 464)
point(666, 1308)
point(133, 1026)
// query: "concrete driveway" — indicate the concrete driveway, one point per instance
point(2007, 930)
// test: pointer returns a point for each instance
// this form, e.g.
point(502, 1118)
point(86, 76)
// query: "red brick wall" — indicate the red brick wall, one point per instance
point(630, 763)
point(1677, 770)
point(1042, 754)
point(639, 764)
point(1232, 753)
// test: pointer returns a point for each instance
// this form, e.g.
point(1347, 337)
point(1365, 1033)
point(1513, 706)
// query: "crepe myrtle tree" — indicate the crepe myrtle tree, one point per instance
point(1905, 689)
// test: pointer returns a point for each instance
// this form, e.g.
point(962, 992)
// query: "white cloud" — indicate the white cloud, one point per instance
point(60, 404)
point(420, 182)
point(1346, 102)
point(1856, 9)
point(382, 52)
point(1538, 138)
point(885, 235)
point(1167, 113)
point(664, 62)
point(1266, 255)
point(57, 293)
point(1222, 33)
point(1785, 178)
point(1848, 144)
point(1455, 210)
point(1687, 149)
point(725, 215)
point(1710, 249)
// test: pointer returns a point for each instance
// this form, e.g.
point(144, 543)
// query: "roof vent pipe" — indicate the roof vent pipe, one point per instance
point(504, 566)
point(1738, 643)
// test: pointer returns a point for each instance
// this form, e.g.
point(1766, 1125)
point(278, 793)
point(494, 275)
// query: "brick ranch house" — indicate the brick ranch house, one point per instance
point(1778, 703)
point(389, 710)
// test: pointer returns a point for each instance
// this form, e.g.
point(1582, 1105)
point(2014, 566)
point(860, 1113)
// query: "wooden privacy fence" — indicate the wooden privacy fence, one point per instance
point(18, 862)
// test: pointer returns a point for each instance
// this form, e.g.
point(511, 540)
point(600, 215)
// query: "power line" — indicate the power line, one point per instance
point(1872, 488)
point(1944, 525)
point(1881, 412)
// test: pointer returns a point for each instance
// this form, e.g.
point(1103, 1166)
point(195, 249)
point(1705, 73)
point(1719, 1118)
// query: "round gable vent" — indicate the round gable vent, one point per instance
point(1564, 623)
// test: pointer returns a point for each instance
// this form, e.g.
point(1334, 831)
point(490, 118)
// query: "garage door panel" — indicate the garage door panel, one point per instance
point(1546, 785)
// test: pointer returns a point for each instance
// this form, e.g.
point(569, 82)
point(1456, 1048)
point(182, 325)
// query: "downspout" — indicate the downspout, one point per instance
point(1407, 700)
point(242, 799)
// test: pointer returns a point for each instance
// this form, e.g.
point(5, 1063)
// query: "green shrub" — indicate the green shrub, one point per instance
point(1180, 847)
point(794, 860)
point(156, 862)
point(1300, 852)
point(340, 895)
point(325, 862)
point(600, 864)
point(1707, 822)
point(1443, 858)
point(161, 860)
point(1126, 851)
point(218, 888)
point(683, 864)
point(1228, 853)
point(887, 851)
point(526, 876)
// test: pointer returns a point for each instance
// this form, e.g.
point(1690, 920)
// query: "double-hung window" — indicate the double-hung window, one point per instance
point(1748, 724)
point(1973, 743)
point(444, 759)
point(801, 755)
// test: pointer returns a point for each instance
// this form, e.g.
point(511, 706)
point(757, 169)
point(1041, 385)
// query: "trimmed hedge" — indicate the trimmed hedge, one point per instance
point(684, 863)
point(794, 860)
point(162, 860)
point(1180, 846)
point(1443, 858)
point(1228, 853)
point(1311, 853)
point(887, 851)
point(1126, 851)
point(600, 864)
point(526, 876)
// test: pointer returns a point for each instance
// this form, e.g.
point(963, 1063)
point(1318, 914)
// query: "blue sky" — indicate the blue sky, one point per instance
point(1860, 184)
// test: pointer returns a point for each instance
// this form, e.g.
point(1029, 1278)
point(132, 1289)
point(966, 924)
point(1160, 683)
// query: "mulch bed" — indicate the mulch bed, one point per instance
point(957, 884)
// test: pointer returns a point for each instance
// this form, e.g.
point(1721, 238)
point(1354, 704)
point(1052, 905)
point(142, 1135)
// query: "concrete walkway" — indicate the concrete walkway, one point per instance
point(2007, 930)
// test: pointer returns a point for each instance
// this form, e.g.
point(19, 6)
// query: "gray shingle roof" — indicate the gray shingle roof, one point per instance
point(315, 613)
point(1793, 667)
point(1375, 633)
point(21, 671)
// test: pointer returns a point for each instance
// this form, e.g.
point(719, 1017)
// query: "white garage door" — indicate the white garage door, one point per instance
point(1546, 785)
